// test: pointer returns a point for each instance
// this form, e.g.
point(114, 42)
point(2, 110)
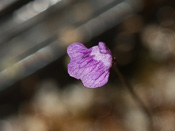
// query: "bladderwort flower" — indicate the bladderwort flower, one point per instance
point(91, 66)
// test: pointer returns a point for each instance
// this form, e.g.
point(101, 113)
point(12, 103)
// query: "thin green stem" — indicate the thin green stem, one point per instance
point(135, 96)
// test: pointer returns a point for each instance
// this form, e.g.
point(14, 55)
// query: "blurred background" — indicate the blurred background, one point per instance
point(36, 92)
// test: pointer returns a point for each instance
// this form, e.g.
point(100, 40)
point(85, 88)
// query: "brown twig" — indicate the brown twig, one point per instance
point(135, 96)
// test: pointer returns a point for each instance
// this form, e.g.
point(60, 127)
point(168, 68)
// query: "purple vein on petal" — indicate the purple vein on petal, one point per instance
point(82, 60)
point(102, 78)
point(85, 62)
point(89, 73)
point(88, 77)
point(97, 76)
point(92, 62)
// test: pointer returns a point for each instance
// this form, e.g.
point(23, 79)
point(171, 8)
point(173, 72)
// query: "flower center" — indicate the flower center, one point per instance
point(104, 58)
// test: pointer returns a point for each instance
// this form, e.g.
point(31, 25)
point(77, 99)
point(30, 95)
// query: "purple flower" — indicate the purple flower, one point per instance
point(91, 65)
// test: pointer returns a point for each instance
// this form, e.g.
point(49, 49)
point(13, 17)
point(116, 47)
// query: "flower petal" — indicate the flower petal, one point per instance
point(77, 50)
point(90, 65)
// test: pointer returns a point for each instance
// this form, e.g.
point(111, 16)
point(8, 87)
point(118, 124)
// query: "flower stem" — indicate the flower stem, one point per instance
point(135, 96)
